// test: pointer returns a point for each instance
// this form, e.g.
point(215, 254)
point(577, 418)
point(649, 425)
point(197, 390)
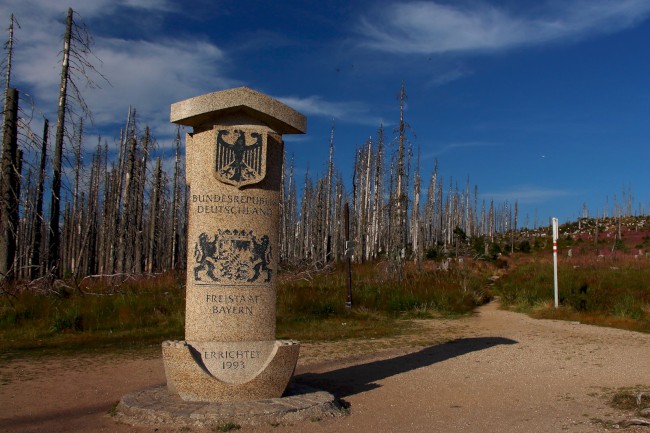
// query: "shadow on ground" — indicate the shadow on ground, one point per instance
point(363, 377)
point(39, 421)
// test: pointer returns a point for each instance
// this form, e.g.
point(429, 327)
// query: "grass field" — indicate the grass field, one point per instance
point(609, 291)
point(605, 281)
point(144, 311)
point(131, 314)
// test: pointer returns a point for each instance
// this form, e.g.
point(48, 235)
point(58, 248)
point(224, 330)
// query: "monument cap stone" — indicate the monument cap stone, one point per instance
point(204, 109)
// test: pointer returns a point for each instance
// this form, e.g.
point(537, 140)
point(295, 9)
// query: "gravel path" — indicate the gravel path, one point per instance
point(495, 372)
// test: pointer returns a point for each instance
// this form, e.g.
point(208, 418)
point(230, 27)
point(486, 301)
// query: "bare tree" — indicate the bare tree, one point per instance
point(10, 186)
point(9, 181)
point(173, 250)
point(75, 65)
point(401, 198)
point(55, 203)
point(327, 239)
point(124, 258)
point(377, 199)
point(514, 227)
point(415, 217)
point(9, 48)
point(154, 211)
point(138, 230)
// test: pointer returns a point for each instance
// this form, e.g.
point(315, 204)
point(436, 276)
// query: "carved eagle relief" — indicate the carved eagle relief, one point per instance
point(240, 156)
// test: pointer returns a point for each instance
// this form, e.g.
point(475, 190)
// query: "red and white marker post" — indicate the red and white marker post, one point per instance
point(555, 236)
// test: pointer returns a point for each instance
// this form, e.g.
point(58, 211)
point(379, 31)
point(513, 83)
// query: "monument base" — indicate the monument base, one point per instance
point(156, 406)
point(229, 371)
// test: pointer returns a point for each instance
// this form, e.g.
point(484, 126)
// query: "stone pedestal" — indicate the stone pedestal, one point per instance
point(233, 167)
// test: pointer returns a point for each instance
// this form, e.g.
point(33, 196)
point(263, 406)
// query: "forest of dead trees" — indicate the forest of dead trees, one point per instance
point(110, 211)
point(116, 211)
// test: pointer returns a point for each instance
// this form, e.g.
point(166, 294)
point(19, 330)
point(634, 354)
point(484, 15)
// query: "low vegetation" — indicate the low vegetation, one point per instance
point(142, 312)
point(606, 292)
point(603, 270)
point(126, 314)
point(602, 281)
point(313, 307)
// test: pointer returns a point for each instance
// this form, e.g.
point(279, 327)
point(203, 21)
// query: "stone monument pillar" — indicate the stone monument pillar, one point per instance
point(233, 164)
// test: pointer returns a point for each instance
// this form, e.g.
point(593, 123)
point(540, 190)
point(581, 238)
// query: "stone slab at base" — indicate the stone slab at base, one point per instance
point(156, 405)
point(263, 369)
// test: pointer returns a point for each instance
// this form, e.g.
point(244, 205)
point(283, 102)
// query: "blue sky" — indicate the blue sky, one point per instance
point(543, 102)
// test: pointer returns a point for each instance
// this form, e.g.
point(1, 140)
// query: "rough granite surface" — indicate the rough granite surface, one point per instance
point(201, 110)
point(234, 159)
point(156, 405)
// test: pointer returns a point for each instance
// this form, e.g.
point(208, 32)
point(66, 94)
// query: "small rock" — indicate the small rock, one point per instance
point(645, 412)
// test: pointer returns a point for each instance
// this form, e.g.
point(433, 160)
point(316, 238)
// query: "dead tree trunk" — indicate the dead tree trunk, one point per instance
point(175, 202)
point(10, 185)
point(139, 211)
point(76, 211)
point(10, 52)
point(128, 201)
point(366, 214)
point(377, 202)
point(327, 239)
point(415, 226)
point(153, 218)
point(55, 204)
point(430, 209)
point(401, 205)
point(37, 229)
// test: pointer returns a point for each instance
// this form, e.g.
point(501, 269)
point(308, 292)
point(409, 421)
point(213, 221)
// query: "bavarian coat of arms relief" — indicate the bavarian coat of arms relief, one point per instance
point(233, 257)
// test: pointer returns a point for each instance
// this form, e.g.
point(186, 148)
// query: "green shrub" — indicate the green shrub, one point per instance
point(628, 307)
point(495, 250)
point(431, 253)
point(619, 245)
point(69, 320)
point(524, 246)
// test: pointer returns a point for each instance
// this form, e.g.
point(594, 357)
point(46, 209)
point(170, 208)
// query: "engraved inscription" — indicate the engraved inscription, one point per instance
point(234, 257)
point(233, 204)
point(232, 359)
point(234, 362)
point(232, 304)
point(216, 309)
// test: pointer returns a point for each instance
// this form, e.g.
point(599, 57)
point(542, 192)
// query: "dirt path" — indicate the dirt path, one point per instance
point(494, 372)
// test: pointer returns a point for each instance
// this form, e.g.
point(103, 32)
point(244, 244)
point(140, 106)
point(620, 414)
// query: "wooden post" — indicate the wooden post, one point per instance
point(348, 254)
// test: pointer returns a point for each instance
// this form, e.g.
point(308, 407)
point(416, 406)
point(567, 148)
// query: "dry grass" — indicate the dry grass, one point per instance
point(311, 306)
point(141, 312)
point(632, 399)
point(608, 291)
point(134, 313)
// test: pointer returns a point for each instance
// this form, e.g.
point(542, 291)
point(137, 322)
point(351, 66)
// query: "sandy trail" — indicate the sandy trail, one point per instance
point(496, 371)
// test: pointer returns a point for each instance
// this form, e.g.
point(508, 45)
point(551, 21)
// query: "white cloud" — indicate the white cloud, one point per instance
point(528, 194)
point(422, 27)
point(349, 112)
point(162, 5)
point(152, 75)
point(56, 9)
point(448, 76)
point(148, 74)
